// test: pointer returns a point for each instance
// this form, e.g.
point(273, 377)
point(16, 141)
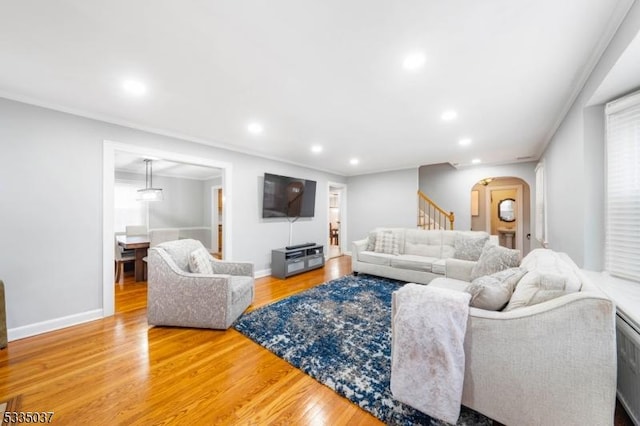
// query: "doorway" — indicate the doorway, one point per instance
point(108, 180)
point(501, 207)
point(217, 223)
point(336, 225)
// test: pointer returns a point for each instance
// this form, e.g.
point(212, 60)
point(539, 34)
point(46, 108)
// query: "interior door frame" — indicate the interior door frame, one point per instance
point(519, 205)
point(342, 231)
point(108, 181)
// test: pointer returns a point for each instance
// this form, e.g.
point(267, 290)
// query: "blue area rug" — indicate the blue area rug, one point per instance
point(339, 333)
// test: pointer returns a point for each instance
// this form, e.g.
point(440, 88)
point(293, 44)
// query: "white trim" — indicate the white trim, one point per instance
point(262, 273)
point(627, 101)
point(108, 173)
point(54, 324)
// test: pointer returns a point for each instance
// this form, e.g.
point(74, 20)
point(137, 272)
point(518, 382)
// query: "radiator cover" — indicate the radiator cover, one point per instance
point(628, 341)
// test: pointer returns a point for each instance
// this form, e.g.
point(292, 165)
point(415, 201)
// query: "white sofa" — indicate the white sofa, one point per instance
point(421, 254)
point(551, 363)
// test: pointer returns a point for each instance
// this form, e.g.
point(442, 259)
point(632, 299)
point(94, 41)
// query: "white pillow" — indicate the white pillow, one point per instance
point(536, 287)
point(200, 261)
point(493, 292)
point(494, 259)
point(386, 243)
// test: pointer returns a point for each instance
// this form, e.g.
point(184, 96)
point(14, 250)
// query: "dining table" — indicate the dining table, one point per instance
point(140, 244)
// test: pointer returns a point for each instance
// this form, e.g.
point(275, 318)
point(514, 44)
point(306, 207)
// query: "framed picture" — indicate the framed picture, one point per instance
point(475, 197)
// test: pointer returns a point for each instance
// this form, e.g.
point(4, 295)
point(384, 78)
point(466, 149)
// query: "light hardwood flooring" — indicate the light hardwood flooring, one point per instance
point(121, 371)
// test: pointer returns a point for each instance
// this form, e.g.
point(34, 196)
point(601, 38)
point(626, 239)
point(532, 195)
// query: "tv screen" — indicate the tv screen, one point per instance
point(285, 196)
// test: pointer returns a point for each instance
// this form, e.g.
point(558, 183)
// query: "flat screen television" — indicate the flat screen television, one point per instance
point(285, 196)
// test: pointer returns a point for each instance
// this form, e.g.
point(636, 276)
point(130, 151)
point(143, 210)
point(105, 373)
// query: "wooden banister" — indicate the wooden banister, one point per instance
point(431, 215)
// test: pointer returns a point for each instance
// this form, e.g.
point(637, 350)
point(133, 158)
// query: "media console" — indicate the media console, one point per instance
point(286, 262)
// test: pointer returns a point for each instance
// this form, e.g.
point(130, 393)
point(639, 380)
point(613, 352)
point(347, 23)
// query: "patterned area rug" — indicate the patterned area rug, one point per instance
point(339, 333)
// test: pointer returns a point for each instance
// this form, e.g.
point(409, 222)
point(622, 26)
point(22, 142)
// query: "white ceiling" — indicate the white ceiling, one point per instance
point(132, 163)
point(323, 72)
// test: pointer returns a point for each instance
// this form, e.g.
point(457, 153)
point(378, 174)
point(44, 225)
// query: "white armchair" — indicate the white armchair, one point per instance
point(178, 297)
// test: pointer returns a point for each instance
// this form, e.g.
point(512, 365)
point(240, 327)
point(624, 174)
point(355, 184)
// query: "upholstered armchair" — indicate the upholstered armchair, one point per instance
point(213, 296)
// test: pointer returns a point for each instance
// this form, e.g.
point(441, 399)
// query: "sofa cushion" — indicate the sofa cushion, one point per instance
point(549, 262)
point(450, 283)
point(493, 292)
point(397, 232)
point(375, 258)
point(421, 242)
point(439, 266)
point(536, 287)
point(494, 259)
point(469, 247)
point(413, 262)
point(200, 262)
point(386, 243)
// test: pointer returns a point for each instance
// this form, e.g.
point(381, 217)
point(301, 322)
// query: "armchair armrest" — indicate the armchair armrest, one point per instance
point(458, 269)
point(232, 268)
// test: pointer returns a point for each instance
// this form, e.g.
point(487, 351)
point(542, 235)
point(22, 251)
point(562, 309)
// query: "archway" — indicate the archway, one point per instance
point(512, 228)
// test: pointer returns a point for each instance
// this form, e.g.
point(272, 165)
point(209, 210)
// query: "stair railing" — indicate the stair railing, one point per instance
point(432, 216)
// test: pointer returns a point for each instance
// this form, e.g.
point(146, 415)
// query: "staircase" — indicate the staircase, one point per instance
point(432, 216)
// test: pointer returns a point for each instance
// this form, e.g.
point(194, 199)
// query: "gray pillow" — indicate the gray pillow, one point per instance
point(493, 292)
point(494, 259)
point(469, 248)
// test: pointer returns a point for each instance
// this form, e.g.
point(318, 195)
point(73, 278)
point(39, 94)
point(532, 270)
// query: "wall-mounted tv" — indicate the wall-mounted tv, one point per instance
point(285, 196)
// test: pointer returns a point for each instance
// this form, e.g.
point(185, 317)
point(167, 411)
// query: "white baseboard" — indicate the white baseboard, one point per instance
point(51, 325)
point(262, 273)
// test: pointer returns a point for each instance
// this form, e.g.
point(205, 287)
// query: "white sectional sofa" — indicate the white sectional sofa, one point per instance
point(549, 357)
point(418, 255)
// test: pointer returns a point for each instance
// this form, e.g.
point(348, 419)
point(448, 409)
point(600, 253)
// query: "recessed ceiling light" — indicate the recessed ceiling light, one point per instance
point(414, 61)
point(134, 87)
point(449, 115)
point(354, 161)
point(255, 128)
point(465, 142)
point(316, 149)
point(476, 161)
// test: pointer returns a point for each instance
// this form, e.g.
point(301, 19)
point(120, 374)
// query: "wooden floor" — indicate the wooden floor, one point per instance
point(120, 371)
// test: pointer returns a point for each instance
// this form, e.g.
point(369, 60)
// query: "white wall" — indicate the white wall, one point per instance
point(381, 199)
point(574, 163)
point(51, 209)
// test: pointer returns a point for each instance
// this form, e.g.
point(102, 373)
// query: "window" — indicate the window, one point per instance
point(128, 211)
point(622, 245)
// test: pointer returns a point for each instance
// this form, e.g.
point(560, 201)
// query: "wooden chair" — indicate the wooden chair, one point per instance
point(121, 257)
point(333, 235)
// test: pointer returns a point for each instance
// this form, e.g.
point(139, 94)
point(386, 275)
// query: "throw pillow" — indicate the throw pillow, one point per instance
point(494, 259)
point(371, 240)
point(536, 287)
point(493, 292)
point(386, 243)
point(200, 261)
point(469, 248)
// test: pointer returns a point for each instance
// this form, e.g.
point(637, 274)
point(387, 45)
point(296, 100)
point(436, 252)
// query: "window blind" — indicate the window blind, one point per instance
point(622, 240)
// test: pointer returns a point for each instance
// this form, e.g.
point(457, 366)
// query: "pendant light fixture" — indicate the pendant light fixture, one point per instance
point(149, 193)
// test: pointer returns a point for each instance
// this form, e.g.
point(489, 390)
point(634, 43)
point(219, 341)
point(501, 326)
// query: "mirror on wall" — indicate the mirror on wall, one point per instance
point(506, 210)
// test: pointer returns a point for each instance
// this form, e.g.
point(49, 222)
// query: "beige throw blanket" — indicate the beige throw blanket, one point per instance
point(427, 357)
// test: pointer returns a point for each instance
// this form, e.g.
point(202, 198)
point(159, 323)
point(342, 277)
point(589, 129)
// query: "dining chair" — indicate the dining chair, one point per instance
point(121, 257)
point(136, 230)
point(157, 236)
